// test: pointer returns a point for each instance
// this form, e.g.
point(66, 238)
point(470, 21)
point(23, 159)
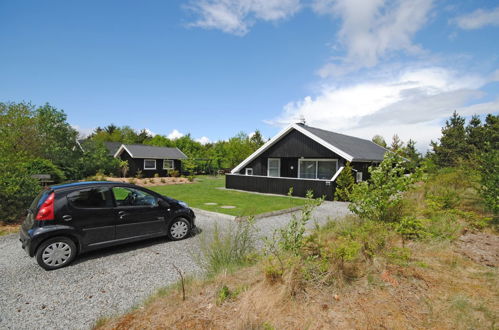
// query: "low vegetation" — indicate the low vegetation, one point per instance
point(393, 263)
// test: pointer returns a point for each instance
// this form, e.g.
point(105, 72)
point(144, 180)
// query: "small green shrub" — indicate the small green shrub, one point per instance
point(191, 178)
point(173, 173)
point(411, 228)
point(131, 180)
point(444, 198)
point(151, 180)
point(156, 175)
point(224, 294)
point(345, 183)
point(139, 174)
point(291, 237)
point(162, 180)
point(380, 198)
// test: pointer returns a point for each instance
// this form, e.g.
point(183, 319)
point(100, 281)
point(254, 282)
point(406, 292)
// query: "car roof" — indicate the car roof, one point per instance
point(90, 183)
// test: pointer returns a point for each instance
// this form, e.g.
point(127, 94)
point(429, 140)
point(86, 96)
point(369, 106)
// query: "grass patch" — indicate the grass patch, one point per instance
point(206, 190)
point(228, 250)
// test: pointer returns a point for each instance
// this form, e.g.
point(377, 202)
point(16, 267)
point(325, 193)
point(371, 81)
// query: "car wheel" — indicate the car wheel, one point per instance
point(56, 252)
point(179, 229)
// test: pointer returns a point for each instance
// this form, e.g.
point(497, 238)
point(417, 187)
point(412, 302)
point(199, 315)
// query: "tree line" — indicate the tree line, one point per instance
point(39, 140)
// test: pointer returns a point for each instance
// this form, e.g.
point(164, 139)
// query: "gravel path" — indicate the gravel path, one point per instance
point(106, 282)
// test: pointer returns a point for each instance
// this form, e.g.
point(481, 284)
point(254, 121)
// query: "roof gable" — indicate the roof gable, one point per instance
point(349, 147)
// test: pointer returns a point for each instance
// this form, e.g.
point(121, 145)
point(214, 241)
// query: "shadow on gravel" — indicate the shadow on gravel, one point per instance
point(127, 247)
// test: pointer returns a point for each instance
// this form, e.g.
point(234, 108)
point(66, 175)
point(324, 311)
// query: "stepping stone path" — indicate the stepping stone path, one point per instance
point(227, 207)
point(210, 203)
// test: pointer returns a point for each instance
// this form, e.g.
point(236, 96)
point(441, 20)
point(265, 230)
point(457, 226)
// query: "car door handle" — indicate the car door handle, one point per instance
point(67, 217)
point(122, 214)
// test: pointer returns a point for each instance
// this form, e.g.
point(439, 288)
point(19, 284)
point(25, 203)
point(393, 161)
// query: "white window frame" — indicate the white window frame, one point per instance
point(150, 168)
point(248, 170)
point(316, 160)
point(358, 176)
point(278, 169)
point(168, 160)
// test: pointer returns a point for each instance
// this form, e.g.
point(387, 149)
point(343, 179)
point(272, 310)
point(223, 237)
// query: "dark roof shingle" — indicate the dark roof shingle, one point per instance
point(359, 149)
point(146, 151)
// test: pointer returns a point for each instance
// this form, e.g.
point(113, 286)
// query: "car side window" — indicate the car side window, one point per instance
point(133, 197)
point(90, 198)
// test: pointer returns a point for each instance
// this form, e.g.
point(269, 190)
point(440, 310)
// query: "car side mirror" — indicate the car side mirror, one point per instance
point(163, 203)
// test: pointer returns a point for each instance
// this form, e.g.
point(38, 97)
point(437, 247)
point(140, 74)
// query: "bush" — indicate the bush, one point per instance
point(489, 171)
point(345, 183)
point(291, 237)
point(45, 166)
point(17, 190)
point(411, 228)
point(139, 174)
point(380, 198)
point(173, 173)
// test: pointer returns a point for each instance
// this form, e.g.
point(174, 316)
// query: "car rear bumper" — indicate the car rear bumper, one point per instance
point(25, 239)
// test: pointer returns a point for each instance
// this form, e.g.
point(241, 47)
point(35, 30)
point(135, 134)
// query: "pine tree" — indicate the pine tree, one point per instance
point(397, 144)
point(379, 140)
point(412, 155)
point(475, 135)
point(345, 183)
point(453, 145)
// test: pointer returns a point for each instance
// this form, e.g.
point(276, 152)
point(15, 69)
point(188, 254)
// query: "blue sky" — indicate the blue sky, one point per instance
point(213, 68)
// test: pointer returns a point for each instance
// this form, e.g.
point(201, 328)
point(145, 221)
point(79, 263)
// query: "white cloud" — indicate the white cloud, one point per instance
point(372, 29)
point(203, 140)
point(478, 19)
point(237, 16)
point(151, 133)
point(175, 134)
point(412, 104)
point(83, 132)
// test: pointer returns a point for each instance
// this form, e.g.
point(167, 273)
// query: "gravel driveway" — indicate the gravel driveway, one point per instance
point(105, 282)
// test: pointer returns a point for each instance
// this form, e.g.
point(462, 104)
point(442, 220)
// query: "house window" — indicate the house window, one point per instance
point(168, 164)
point(274, 167)
point(249, 171)
point(149, 164)
point(358, 176)
point(322, 169)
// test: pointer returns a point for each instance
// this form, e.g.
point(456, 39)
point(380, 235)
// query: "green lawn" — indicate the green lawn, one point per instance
point(204, 190)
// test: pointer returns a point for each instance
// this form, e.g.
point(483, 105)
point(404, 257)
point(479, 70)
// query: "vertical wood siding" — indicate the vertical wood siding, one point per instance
point(280, 185)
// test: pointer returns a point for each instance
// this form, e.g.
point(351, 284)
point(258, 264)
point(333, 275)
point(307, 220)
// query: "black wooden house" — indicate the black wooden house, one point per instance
point(150, 160)
point(304, 158)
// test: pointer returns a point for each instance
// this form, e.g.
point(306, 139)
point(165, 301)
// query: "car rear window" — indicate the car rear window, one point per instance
point(90, 198)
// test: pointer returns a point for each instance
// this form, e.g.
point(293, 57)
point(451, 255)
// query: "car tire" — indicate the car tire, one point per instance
point(179, 229)
point(56, 253)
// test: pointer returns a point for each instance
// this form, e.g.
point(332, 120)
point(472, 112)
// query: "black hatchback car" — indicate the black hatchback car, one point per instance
point(66, 220)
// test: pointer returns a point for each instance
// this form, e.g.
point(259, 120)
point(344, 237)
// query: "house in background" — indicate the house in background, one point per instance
point(150, 160)
point(304, 158)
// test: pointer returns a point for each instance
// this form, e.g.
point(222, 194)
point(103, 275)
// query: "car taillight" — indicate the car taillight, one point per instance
point(46, 211)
